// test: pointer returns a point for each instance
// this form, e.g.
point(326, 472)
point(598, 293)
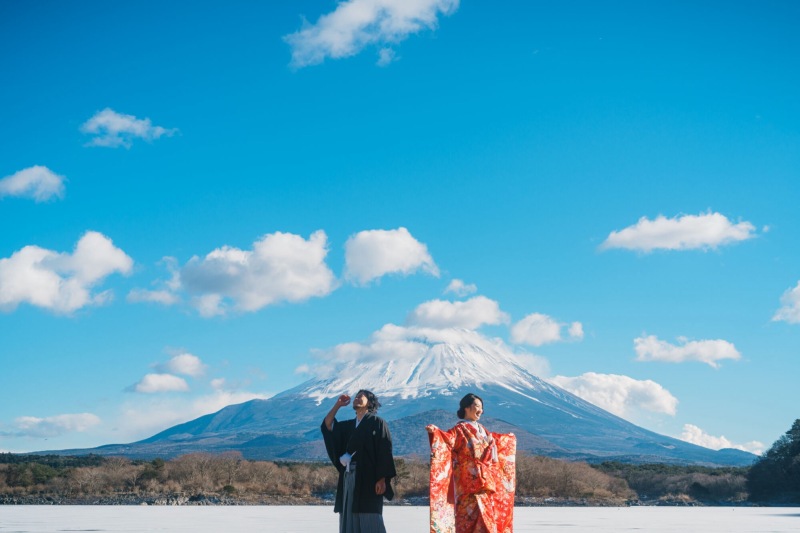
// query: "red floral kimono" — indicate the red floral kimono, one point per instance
point(473, 475)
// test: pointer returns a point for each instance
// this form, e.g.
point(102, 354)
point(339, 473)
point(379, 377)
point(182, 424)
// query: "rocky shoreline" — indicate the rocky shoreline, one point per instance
point(213, 499)
point(159, 499)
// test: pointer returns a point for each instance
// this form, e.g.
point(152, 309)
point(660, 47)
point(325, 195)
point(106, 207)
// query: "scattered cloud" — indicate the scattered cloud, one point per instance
point(459, 288)
point(650, 348)
point(166, 294)
point(356, 24)
point(687, 232)
point(149, 415)
point(375, 253)
point(53, 426)
point(184, 363)
point(695, 435)
point(471, 314)
point(389, 342)
point(537, 329)
point(61, 282)
point(221, 398)
point(535, 364)
point(155, 383)
point(575, 330)
point(304, 370)
point(209, 305)
point(162, 297)
point(386, 56)
point(790, 306)
point(112, 129)
point(37, 182)
point(281, 267)
point(620, 395)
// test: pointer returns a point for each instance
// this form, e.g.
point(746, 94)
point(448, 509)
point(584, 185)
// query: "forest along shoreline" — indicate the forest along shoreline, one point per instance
point(229, 479)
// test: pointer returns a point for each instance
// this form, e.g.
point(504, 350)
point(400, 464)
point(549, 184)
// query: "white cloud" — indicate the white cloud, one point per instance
point(459, 288)
point(621, 395)
point(303, 370)
point(537, 329)
point(154, 383)
point(695, 435)
point(650, 348)
point(356, 24)
point(167, 294)
point(209, 305)
point(112, 129)
point(375, 253)
point(37, 182)
point(61, 282)
point(223, 398)
point(535, 364)
point(790, 310)
point(575, 330)
point(54, 426)
point(186, 364)
point(147, 416)
point(386, 56)
point(281, 267)
point(162, 297)
point(680, 233)
point(470, 314)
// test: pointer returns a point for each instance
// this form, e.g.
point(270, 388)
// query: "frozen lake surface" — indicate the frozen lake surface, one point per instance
point(303, 519)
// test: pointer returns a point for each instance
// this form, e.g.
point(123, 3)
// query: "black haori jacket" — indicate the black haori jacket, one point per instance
point(371, 446)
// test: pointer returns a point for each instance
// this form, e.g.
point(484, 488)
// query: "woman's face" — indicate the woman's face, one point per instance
point(474, 411)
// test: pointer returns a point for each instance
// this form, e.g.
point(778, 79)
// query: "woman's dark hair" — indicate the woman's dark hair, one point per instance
point(372, 400)
point(465, 402)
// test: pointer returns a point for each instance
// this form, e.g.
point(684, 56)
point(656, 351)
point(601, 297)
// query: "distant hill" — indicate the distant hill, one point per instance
point(416, 391)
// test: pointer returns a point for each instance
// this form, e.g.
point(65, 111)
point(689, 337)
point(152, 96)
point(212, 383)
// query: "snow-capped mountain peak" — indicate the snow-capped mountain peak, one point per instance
point(414, 362)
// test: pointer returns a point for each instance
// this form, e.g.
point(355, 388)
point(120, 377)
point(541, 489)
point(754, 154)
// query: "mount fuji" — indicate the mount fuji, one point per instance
point(419, 376)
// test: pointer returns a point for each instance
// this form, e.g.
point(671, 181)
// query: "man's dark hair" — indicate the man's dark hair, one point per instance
point(465, 402)
point(372, 400)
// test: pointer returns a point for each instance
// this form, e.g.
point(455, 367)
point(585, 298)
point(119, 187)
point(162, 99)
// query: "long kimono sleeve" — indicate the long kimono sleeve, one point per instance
point(506, 482)
point(384, 460)
point(335, 442)
point(442, 519)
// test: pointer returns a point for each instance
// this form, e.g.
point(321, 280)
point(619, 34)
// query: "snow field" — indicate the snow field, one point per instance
point(314, 519)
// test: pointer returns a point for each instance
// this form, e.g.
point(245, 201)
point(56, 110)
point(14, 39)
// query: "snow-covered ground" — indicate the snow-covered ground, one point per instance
point(301, 519)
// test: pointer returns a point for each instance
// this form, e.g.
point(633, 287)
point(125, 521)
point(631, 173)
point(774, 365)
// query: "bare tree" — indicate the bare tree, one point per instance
point(192, 471)
point(230, 464)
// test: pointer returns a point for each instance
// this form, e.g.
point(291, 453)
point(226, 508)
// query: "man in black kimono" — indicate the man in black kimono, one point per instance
point(361, 450)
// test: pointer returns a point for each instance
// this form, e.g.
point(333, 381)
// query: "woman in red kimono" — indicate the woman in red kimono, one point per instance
point(472, 475)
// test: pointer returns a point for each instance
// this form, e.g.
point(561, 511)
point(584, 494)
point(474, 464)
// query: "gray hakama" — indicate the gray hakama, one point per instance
point(350, 522)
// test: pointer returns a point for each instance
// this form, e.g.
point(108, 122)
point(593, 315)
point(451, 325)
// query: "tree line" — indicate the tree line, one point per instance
point(776, 474)
point(234, 478)
point(774, 477)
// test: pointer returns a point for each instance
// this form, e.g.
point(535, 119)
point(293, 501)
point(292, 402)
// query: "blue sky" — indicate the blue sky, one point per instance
point(200, 201)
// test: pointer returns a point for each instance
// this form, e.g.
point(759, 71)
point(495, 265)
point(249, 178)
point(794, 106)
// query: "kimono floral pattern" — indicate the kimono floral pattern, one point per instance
point(472, 485)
